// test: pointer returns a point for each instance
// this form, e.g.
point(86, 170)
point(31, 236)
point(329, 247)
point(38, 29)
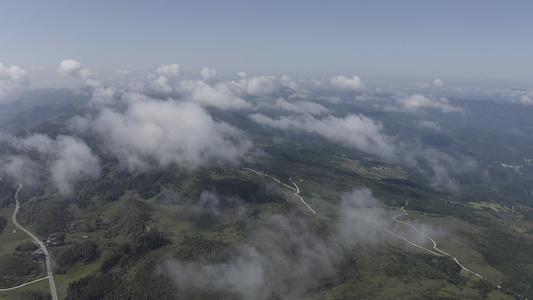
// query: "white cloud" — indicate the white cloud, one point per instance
point(21, 169)
point(172, 70)
point(69, 67)
point(364, 134)
point(299, 92)
point(255, 86)
point(438, 82)
point(160, 84)
point(208, 73)
point(13, 80)
point(217, 95)
point(415, 102)
point(165, 78)
point(525, 99)
point(285, 257)
point(165, 132)
point(356, 131)
point(103, 96)
point(431, 125)
point(346, 83)
point(75, 161)
point(514, 96)
point(68, 158)
point(317, 82)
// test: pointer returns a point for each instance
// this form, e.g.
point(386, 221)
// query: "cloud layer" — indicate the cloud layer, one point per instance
point(285, 255)
point(415, 102)
point(68, 159)
point(151, 131)
point(356, 131)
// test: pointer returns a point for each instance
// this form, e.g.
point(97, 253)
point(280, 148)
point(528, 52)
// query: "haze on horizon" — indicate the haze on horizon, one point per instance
point(461, 43)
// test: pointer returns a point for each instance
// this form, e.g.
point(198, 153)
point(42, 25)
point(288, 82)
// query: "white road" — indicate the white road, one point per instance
point(295, 188)
point(19, 286)
point(437, 251)
point(39, 242)
point(440, 252)
point(404, 213)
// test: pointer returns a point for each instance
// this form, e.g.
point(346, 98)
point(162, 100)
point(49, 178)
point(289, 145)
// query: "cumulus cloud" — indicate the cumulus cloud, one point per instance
point(153, 131)
point(354, 83)
point(217, 95)
point(284, 256)
point(438, 82)
point(356, 131)
point(69, 67)
point(208, 73)
point(367, 135)
point(297, 91)
point(171, 70)
point(415, 102)
point(255, 86)
point(13, 80)
point(164, 78)
point(103, 96)
point(68, 158)
point(160, 84)
point(514, 96)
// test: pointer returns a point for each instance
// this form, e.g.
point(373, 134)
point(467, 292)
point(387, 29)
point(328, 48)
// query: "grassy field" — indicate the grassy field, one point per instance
point(42, 285)
point(109, 223)
point(9, 239)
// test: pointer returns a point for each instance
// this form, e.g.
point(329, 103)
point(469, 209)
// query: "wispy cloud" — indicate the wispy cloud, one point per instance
point(357, 131)
point(416, 102)
point(284, 256)
point(68, 158)
point(367, 135)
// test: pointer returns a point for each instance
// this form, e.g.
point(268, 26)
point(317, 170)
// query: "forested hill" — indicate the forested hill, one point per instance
point(254, 205)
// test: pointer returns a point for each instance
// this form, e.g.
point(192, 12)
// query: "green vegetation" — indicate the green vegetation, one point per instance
point(49, 213)
point(27, 246)
point(18, 268)
point(67, 255)
point(3, 223)
point(30, 294)
point(117, 234)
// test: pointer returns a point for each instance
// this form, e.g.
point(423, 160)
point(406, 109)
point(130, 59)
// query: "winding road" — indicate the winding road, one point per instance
point(404, 213)
point(440, 252)
point(41, 245)
point(436, 251)
point(295, 188)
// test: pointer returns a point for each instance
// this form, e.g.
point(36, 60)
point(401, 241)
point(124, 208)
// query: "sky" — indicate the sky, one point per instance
point(477, 42)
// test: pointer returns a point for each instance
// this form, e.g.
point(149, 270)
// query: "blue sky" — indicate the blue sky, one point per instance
point(484, 42)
